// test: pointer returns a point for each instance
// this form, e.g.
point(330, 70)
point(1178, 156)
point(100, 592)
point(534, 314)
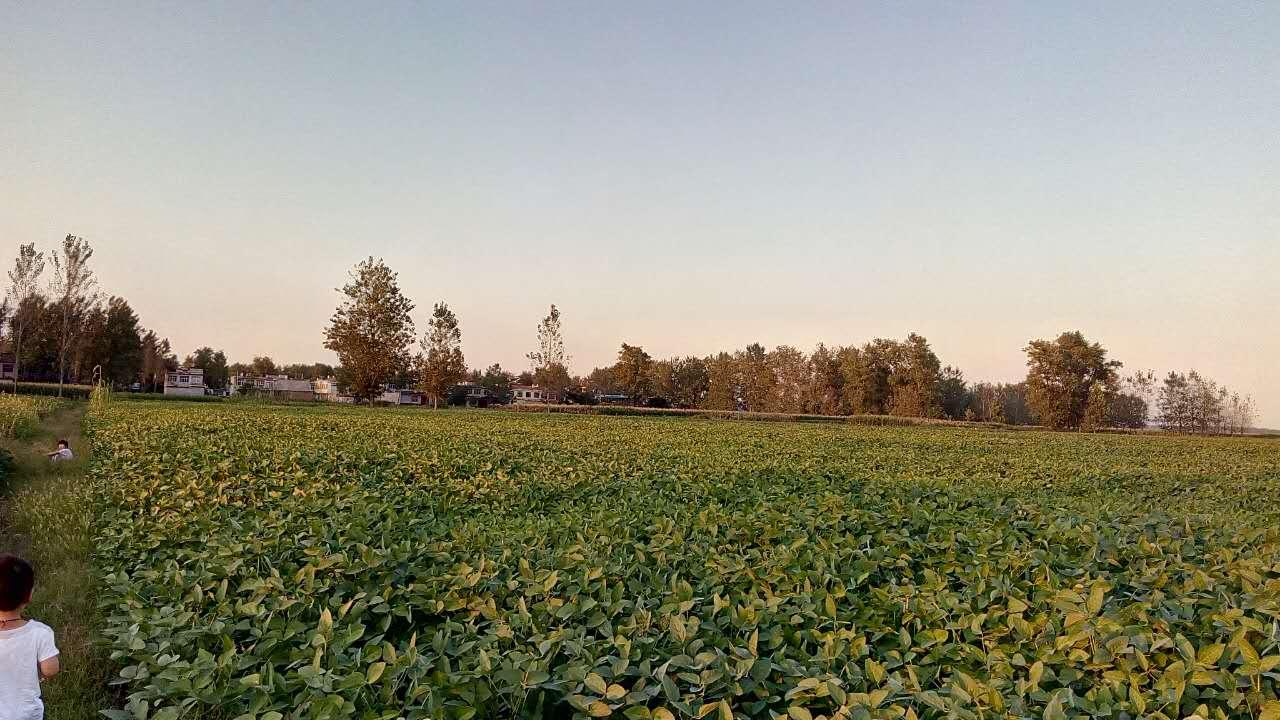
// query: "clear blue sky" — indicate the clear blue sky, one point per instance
point(687, 176)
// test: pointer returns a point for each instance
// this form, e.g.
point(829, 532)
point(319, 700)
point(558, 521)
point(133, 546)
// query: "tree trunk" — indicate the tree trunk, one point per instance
point(17, 360)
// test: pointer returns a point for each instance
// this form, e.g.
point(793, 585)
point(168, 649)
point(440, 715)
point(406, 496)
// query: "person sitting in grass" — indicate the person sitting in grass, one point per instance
point(62, 453)
point(27, 652)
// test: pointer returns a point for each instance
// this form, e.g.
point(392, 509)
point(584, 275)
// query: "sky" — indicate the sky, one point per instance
point(689, 177)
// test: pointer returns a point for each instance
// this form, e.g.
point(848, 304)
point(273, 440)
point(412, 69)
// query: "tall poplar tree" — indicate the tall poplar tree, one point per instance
point(24, 287)
point(440, 364)
point(550, 362)
point(71, 290)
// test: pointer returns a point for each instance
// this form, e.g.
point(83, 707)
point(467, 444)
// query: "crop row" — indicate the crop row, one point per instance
point(312, 563)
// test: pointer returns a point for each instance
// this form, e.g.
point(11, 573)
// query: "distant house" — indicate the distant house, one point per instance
point(185, 382)
point(254, 383)
point(472, 395)
point(289, 389)
point(327, 389)
point(528, 395)
point(392, 396)
point(8, 367)
point(277, 386)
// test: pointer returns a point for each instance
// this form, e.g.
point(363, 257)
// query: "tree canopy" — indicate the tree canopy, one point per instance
point(371, 331)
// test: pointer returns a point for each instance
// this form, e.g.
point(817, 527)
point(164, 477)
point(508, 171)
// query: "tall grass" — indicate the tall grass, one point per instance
point(20, 415)
point(47, 518)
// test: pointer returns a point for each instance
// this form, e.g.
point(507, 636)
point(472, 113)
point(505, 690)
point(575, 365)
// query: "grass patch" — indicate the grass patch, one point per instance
point(46, 517)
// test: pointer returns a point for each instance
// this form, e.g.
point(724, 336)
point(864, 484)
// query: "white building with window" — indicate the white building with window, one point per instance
point(187, 382)
point(527, 394)
point(254, 383)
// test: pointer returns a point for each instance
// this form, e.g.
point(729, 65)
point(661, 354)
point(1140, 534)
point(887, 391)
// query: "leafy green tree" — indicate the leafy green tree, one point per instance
point(39, 339)
point(306, 371)
point(214, 365)
point(440, 363)
point(789, 369)
point(913, 379)
point(24, 286)
point(826, 382)
point(72, 291)
point(662, 380)
point(601, 381)
point(1127, 410)
point(997, 411)
point(756, 378)
point(867, 377)
point(689, 382)
point(88, 339)
point(496, 380)
point(724, 386)
point(550, 362)
point(953, 392)
point(121, 348)
point(264, 365)
point(633, 373)
point(1060, 375)
point(1095, 409)
point(153, 371)
point(371, 331)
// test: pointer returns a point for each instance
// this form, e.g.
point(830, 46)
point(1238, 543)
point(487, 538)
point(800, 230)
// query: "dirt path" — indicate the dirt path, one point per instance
point(45, 517)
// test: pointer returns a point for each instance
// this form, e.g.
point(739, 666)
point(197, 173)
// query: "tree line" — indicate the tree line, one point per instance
point(1070, 381)
point(59, 327)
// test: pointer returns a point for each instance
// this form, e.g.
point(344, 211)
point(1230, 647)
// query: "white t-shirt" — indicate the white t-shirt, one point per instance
point(21, 651)
point(62, 454)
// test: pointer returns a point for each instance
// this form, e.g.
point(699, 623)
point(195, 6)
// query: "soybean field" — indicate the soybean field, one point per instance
point(265, 562)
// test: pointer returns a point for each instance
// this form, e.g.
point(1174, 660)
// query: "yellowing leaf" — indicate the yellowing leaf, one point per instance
point(1209, 654)
point(1246, 651)
point(1097, 594)
point(1036, 672)
point(596, 684)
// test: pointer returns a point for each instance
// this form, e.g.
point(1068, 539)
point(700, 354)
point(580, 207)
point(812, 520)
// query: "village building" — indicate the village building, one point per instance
point(527, 395)
point(326, 389)
point(392, 396)
point(185, 382)
point(290, 389)
point(254, 383)
point(473, 395)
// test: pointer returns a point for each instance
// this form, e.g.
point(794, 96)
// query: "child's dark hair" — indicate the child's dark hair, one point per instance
point(17, 577)
point(64, 442)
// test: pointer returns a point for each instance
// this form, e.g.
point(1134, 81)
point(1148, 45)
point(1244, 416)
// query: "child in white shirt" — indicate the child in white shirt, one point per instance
point(27, 652)
point(62, 453)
